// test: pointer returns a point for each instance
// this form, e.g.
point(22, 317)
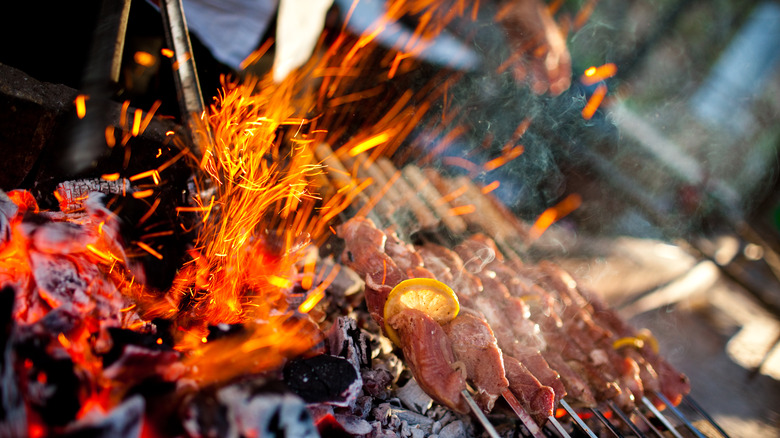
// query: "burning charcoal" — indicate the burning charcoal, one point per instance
point(222, 330)
point(456, 429)
point(61, 238)
point(414, 398)
point(324, 379)
point(124, 421)
point(376, 382)
point(355, 426)
point(138, 363)
point(392, 417)
point(329, 426)
point(13, 420)
point(248, 408)
point(59, 281)
point(7, 211)
point(346, 340)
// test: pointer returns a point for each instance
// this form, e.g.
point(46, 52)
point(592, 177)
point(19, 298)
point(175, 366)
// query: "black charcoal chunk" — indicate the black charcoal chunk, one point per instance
point(323, 379)
point(346, 340)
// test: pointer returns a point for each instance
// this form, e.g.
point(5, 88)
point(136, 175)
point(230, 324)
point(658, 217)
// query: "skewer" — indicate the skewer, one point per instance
point(648, 423)
point(695, 406)
point(661, 417)
point(606, 422)
point(680, 416)
point(577, 419)
point(529, 423)
point(558, 427)
point(480, 415)
point(625, 419)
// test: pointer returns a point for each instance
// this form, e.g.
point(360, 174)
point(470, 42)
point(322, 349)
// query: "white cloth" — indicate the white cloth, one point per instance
point(230, 29)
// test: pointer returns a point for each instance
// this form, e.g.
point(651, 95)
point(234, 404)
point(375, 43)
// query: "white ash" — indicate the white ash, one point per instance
point(414, 398)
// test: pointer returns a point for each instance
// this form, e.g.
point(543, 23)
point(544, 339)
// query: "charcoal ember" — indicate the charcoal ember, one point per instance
point(13, 419)
point(62, 238)
point(59, 281)
point(137, 363)
point(123, 421)
point(346, 340)
point(7, 211)
point(376, 382)
point(414, 398)
point(246, 409)
point(353, 425)
point(324, 379)
point(51, 385)
point(456, 429)
point(393, 418)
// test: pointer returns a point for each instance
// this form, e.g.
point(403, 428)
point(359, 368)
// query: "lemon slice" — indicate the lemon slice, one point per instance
point(430, 296)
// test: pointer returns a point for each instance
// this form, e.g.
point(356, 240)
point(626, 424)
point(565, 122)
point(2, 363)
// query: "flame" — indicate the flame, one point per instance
point(553, 214)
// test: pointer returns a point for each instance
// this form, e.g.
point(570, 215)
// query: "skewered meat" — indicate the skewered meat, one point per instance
point(474, 344)
point(536, 398)
point(428, 352)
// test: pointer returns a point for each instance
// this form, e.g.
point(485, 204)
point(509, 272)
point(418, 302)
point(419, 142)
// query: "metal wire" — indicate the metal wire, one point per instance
point(680, 416)
point(626, 419)
point(584, 427)
point(606, 422)
point(661, 417)
point(648, 423)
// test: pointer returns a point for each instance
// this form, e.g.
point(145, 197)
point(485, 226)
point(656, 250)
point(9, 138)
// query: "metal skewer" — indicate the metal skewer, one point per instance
point(661, 417)
point(577, 419)
point(558, 427)
point(529, 423)
point(625, 419)
point(648, 423)
point(680, 416)
point(480, 415)
point(606, 422)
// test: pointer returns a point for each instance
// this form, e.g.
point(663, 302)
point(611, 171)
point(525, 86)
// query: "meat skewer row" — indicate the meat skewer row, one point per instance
point(438, 356)
point(594, 324)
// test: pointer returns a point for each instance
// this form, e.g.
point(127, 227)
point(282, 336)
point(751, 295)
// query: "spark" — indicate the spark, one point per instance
point(143, 194)
point(81, 105)
point(110, 139)
point(455, 194)
point(594, 102)
point(280, 282)
point(490, 187)
point(150, 250)
point(153, 173)
point(110, 176)
point(166, 52)
point(505, 158)
point(553, 214)
point(137, 122)
point(144, 59)
point(595, 75)
point(462, 209)
point(318, 293)
point(369, 143)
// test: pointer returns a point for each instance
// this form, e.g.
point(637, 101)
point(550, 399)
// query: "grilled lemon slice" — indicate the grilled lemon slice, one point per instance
point(430, 296)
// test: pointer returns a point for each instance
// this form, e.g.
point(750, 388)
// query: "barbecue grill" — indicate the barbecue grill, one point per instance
point(433, 187)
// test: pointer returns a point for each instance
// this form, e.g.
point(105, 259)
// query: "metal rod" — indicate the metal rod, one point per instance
point(680, 416)
point(555, 424)
point(577, 419)
point(625, 419)
point(696, 407)
point(480, 415)
point(529, 423)
point(660, 417)
point(88, 141)
point(648, 423)
point(185, 74)
point(606, 422)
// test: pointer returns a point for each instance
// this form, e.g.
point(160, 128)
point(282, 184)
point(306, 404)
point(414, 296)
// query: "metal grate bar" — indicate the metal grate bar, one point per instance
point(584, 427)
point(661, 417)
point(680, 416)
point(625, 419)
point(648, 423)
point(606, 422)
point(555, 424)
point(696, 407)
